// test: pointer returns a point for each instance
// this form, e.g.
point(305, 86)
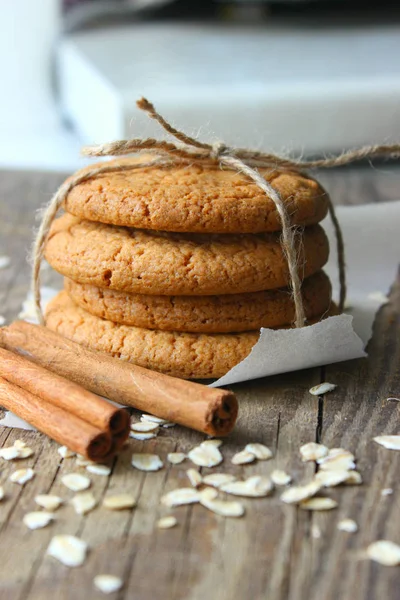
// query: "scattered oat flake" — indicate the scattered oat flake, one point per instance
point(81, 461)
point(65, 452)
point(167, 522)
point(181, 496)
point(75, 482)
point(68, 549)
point(1, 493)
point(20, 444)
point(322, 388)
point(213, 442)
point(378, 297)
point(253, 487)
point(313, 451)
point(386, 492)
point(218, 479)
point(353, 478)
point(15, 452)
point(108, 584)
point(296, 494)
point(168, 425)
point(392, 399)
point(194, 477)
point(142, 437)
point(22, 476)
point(209, 493)
point(243, 458)
point(4, 262)
point(154, 419)
point(318, 503)
point(347, 525)
point(48, 501)
point(259, 450)
point(337, 463)
point(331, 478)
point(119, 502)
point(144, 427)
point(384, 552)
point(222, 507)
point(38, 519)
point(176, 458)
point(99, 469)
point(391, 442)
point(205, 456)
point(83, 502)
point(2, 320)
point(279, 477)
point(147, 462)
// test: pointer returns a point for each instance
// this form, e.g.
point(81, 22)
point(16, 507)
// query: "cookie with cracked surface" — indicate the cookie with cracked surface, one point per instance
point(195, 198)
point(203, 314)
point(159, 263)
point(185, 355)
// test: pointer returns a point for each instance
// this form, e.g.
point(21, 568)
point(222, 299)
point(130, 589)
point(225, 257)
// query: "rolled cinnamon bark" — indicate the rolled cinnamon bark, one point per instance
point(64, 393)
point(210, 410)
point(63, 427)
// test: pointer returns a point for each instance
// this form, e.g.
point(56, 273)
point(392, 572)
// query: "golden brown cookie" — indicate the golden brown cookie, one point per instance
point(185, 355)
point(203, 314)
point(158, 263)
point(195, 198)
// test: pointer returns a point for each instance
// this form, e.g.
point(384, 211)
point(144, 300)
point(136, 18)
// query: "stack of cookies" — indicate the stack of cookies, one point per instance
point(177, 268)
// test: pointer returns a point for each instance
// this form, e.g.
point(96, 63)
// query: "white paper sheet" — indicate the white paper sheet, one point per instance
point(372, 240)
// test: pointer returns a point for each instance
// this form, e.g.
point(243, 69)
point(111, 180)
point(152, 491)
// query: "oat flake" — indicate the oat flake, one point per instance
point(259, 450)
point(65, 452)
point(331, 478)
point(144, 427)
point(38, 519)
point(347, 525)
point(99, 470)
point(75, 482)
point(147, 462)
point(243, 458)
point(318, 503)
point(322, 388)
point(253, 487)
point(194, 477)
point(108, 584)
point(218, 479)
point(386, 492)
point(313, 451)
point(279, 477)
point(222, 507)
point(68, 549)
point(22, 476)
point(142, 437)
point(48, 502)
point(154, 419)
point(167, 522)
point(205, 455)
point(119, 502)
point(176, 458)
point(83, 503)
point(180, 497)
point(296, 494)
point(15, 452)
point(391, 442)
point(384, 552)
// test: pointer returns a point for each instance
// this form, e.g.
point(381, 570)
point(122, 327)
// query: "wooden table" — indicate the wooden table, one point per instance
point(275, 552)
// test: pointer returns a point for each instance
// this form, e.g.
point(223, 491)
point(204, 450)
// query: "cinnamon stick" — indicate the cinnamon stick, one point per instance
point(63, 393)
point(210, 410)
point(64, 427)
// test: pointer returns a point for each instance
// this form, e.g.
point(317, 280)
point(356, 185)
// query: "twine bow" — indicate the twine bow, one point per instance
point(188, 150)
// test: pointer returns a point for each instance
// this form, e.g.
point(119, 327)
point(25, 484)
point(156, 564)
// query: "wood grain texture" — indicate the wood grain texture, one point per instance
point(270, 553)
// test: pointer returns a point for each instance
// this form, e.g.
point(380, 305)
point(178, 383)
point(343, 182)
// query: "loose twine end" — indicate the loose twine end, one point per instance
point(188, 150)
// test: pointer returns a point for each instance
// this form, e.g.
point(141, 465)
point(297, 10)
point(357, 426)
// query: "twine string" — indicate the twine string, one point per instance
point(188, 150)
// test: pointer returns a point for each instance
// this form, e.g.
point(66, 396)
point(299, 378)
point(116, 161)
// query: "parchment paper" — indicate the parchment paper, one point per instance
point(372, 240)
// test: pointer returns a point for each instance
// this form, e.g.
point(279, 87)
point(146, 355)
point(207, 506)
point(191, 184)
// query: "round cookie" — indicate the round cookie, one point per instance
point(195, 198)
point(185, 355)
point(159, 263)
point(203, 314)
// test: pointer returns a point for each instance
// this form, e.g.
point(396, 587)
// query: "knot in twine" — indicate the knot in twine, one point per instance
point(187, 150)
